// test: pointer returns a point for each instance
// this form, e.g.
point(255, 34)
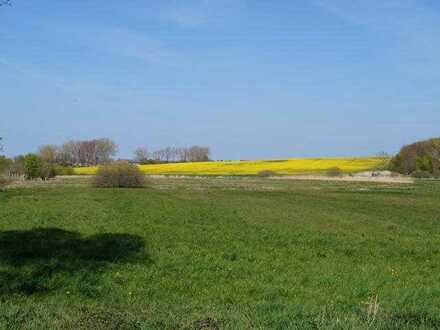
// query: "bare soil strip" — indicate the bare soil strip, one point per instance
point(378, 179)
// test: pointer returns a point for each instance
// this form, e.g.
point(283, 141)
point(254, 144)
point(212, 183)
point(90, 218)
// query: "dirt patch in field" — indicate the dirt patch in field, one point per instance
point(221, 182)
point(346, 178)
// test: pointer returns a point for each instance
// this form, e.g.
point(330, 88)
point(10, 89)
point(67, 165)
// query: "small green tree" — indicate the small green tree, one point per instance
point(425, 163)
point(33, 166)
point(395, 164)
point(48, 171)
point(4, 164)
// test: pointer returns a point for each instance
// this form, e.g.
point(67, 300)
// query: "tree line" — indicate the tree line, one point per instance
point(79, 152)
point(172, 154)
point(51, 159)
point(101, 151)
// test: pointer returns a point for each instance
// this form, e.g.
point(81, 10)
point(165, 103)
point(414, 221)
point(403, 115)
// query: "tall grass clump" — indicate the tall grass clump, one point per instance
point(119, 175)
point(3, 182)
point(266, 174)
point(334, 172)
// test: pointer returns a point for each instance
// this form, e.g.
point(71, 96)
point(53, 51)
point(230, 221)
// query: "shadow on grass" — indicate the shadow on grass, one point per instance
point(42, 260)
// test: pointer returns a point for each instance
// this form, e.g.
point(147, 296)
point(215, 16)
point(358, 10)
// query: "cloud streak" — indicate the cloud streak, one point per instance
point(410, 29)
point(128, 43)
point(202, 13)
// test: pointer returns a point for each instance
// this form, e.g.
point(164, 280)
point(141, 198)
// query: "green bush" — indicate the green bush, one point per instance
point(266, 173)
point(420, 174)
point(419, 156)
point(47, 171)
point(334, 172)
point(119, 175)
point(395, 164)
point(33, 166)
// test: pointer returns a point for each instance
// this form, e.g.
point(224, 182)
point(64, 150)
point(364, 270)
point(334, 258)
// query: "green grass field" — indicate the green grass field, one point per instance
point(234, 253)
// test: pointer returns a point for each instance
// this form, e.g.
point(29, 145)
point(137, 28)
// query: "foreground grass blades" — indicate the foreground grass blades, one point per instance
point(221, 253)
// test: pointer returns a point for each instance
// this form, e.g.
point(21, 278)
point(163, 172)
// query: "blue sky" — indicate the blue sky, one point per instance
point(250, 79)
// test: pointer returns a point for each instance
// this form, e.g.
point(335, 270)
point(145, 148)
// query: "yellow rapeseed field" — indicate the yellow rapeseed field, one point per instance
point(290, 166)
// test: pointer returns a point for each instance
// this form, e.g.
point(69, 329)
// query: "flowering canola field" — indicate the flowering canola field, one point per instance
point(290, 166)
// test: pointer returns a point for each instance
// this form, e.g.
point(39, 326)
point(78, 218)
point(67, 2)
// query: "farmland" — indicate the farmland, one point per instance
point(290, 166)
point(220, 253)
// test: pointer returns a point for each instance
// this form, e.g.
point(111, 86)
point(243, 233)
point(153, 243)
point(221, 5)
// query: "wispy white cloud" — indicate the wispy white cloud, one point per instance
point(409, 28)
point(187, 17)
point(201, 13)
point(32, 72)
point(113, 44)
point(118, 41)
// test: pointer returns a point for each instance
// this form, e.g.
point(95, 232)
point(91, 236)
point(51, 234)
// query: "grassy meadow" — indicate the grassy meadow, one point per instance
point(292, 166)
point(220, 253)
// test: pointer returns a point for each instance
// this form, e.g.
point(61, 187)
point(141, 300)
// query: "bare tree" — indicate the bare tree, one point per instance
point(155, 155)
point(106, 149)
point(168, 153)
point(179, 154)
point(160, 154)
point(65, 156)
point(5, 2)
point(94, 152)
point(141, 155)
point(184, 154)
point(87, 152)
point(175, 154)
point(1, 144)
point(69, 153)
point(49, 153)
point(198, 154)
